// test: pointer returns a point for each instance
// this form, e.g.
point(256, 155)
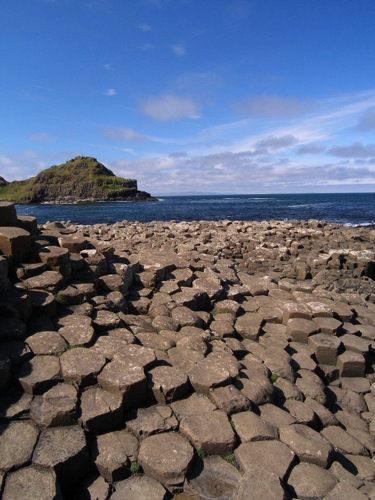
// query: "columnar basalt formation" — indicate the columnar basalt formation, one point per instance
point(204, 360)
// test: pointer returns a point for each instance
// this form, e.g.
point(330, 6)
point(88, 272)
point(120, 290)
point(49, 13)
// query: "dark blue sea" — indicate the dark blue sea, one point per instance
point(352, 209)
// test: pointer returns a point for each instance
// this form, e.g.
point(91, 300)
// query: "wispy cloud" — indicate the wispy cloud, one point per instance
point(311, 149)
point(178, 50)
point(144, 27)
point(169, 107)
point(356, 150)
point(107, 67)
point(110, 92)
point(127, 134)
point(238, 173)
point(43, 88)
point(367, 120)
point(271, 106)
point(41, 137)
point(146, 47)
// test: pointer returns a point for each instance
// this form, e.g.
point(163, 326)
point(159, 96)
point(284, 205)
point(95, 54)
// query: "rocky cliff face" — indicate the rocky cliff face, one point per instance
point(80, 179)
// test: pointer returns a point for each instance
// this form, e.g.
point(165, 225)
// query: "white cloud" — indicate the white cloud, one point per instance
point(311, 149)
point(110, 92)
point(169, 107)
point(178, 50)
point(122, 134)
point(238, 173)
point(367, 120)
point(107, 67)
point(144, 27)
point(146, 47)
point(271, 106)
point(41, 137)
point(356, 150)
point(275, 143)
point(129, 135)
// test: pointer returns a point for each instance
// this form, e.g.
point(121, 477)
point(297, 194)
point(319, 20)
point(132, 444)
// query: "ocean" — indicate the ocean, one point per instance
point(344, 208)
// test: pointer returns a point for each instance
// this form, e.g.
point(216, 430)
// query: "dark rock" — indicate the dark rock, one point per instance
point(64, 450)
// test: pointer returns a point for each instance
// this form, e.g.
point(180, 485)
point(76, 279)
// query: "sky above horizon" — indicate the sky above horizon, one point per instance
point(192, 96)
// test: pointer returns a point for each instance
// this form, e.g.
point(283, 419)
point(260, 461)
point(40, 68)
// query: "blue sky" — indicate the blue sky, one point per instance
point(218, 96)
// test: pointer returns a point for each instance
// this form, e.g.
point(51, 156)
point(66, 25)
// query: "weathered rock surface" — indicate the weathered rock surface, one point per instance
point(182, 342)
point(167, 458)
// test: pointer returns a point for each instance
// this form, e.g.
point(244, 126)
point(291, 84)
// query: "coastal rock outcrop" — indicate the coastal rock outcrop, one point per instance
point(206, 361)
point(82, 179)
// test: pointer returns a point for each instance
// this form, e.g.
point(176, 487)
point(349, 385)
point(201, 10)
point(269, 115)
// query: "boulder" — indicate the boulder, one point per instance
point(18, 440)
point(64, 450)
point(15, 242)
point(30, 483)
point(167, 458)
point(8, 215)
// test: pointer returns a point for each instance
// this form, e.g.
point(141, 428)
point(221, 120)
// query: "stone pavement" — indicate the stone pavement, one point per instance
point(204, 360)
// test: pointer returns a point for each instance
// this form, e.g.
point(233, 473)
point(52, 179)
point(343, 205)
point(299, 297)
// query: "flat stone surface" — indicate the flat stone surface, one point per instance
point(167, 458)
point(307, 444)
point(209, 373)
point(249, 326)
point(276, 416)
point(196, 404)
point(113, 454)
point(362, 467)
point(92, 487)
point(80, 333)
point(345, 491)
point(351, 364)
point(15, 242)
point(308, 481)
point(213, 478)
point(64, 450)
point(262, 484)
point(326, 348)
point(342, 474)
point(311, 386)
point(139, 488)
point(301, 412)
point(126, 378)
point(250, 427)
point(136, 354)
point(155, 341)
point(50, 281)
point(328, 325)
point(101, 411)
point(153, 420)
point(272, 456)
point(213, 435)
point(167, 384)
point(39, 374)
point(343, 442)
point(43, 303)
point(81, 366)
point(325, 417)
point(44, 343)
point(230, 399)
point(108, 346)
point(285, 389)
point(31, 483)
point(17, 444)
point(107, 320)
point(56, 407)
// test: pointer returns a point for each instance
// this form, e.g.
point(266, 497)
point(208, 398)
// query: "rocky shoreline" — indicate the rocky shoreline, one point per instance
point(207, 360)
